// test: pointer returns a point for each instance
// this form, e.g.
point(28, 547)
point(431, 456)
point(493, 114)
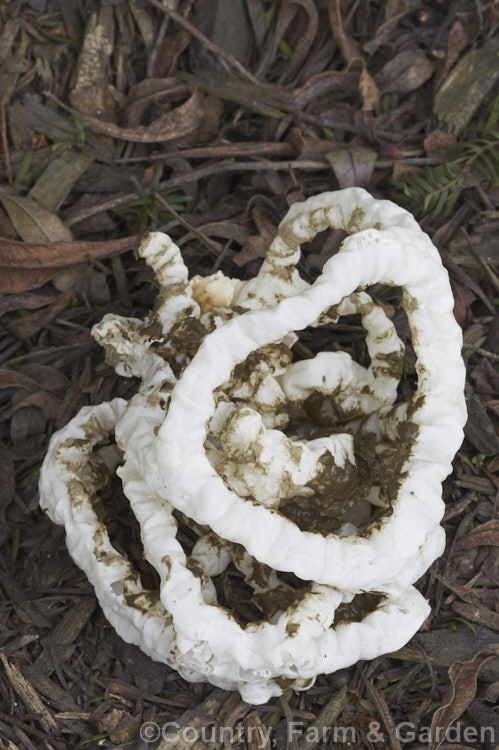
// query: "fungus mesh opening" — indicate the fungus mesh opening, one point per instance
point(391, 298)
point(316, 252)
point(186, 535)
point(249, 606)
point(233, 592)
point(113, 510)
point(344, 502)
point(360, 606)
point(348, 334)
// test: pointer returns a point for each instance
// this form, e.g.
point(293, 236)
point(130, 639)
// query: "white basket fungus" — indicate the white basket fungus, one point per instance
point(312, 482)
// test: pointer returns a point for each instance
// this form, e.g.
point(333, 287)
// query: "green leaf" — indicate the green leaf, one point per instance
point(24, 167)
point(83, 743)
point(479, 458)
point(435, 190)
point(80, 130)
point(285, 50)
point(15, 544)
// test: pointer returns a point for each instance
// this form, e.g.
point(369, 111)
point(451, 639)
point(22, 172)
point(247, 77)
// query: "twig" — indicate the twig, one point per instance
point(197, 174)
point(479, 349)
point(325, 720)
point(213, 247)
point(156, 46)
point(226, 57)
point(379, 701)
point(219, 151)
point(5, 146)
point(292, 741)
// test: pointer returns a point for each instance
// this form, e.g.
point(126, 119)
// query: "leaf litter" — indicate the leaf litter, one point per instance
point(207, 120)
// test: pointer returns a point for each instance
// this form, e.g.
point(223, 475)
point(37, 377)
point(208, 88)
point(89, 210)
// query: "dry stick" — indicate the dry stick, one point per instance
point(5, 146)
point(213, 247)
point(318, 729)
point(292, 742)
point(226, 57)
point(218, 262)
point(28, 694)
point(224, 150)
point(380, 702)
point(156, 46)
point(197, 174)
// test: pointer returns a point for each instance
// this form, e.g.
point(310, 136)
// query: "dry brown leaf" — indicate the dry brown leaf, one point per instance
point(486, 534)
point(436, 141)
point(383, 32)
point(150, 91)
point(43, 400)
point(15, 379)
point(406, 72)
point(253, 249)
point(26, 423)
point(456, 42)
point(24, 301)
point(207, 126)
point(180, 122)
point(25, 328)
point(26, 266)
point(352, 53)
point(352, 166)
point(49, 378)
point(266, 227)
point(21, 280)
point(463, 297)
point(322, 84)
point(463, 676)
point(349, 48)
point(368, 89)
point(307, 34)
point(169, 52)
point(32, 222)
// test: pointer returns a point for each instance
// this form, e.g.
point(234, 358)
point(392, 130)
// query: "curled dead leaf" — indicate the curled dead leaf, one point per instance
point(25, 266)
point(352, 54)
point(190, 118)
point(463, 676)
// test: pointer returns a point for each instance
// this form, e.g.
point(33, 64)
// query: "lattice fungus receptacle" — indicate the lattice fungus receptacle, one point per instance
point(311, 480)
